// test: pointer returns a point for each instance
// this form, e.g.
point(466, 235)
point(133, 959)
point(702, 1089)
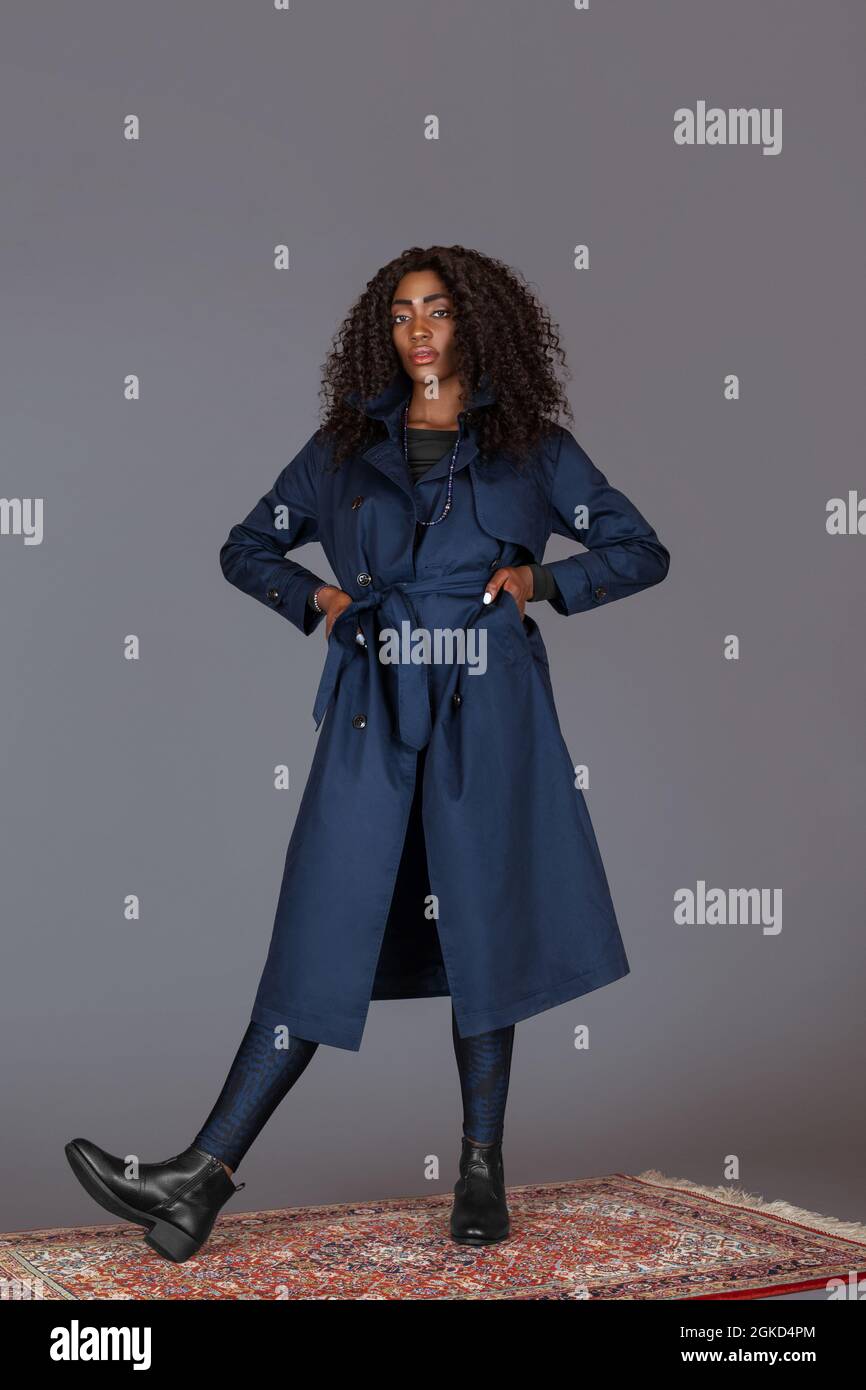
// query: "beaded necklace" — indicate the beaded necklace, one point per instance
point(446, 509)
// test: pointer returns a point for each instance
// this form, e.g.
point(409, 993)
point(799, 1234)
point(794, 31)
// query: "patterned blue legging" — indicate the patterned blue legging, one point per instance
point(262, 1074)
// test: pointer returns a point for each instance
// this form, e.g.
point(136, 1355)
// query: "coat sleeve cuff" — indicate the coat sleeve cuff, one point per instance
point(288, 592)
point(579, 583)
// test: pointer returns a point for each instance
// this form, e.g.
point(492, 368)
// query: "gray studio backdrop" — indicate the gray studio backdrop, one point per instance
point(155, 776)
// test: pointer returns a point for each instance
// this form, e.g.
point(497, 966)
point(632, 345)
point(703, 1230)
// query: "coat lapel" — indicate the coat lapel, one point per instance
point(386, 455)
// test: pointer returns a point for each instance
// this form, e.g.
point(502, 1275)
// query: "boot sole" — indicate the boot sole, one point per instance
point(477, 1240)
point(161, 1236)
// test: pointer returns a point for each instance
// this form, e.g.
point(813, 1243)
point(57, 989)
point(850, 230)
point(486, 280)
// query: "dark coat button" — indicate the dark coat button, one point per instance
point(273, 595)
point(359, 721)
point(365, 579)
point(457, 699)
point(356, 502)
point(600, 592)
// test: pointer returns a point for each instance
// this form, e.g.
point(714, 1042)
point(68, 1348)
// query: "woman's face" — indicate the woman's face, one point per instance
point(422, 326)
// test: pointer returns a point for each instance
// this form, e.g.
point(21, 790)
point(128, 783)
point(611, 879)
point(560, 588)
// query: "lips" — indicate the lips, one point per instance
point(423, 355)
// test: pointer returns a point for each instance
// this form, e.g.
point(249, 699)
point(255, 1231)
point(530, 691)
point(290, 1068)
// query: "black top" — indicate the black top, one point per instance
point(427, 447)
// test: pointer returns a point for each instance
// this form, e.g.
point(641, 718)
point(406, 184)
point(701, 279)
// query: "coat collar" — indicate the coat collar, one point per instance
point(387, 406)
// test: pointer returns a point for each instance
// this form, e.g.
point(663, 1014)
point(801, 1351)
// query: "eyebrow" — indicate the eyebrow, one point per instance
point(426, 300)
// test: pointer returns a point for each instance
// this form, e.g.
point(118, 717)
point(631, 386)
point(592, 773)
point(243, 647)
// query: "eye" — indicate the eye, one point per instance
point(440, 311)
point(398, 317)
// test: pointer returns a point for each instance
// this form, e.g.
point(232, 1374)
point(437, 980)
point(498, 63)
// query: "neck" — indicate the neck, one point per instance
point(439, 414)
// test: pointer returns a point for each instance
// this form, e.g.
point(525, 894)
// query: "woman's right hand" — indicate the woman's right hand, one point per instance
point(333, 601)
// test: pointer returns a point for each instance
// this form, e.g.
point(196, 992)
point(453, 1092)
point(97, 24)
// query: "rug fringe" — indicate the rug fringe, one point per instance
point(738, 1197)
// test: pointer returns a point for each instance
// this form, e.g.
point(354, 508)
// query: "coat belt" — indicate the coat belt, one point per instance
point(413, 702)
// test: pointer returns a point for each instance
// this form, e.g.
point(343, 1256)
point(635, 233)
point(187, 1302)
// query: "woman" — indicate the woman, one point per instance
point(467, 863)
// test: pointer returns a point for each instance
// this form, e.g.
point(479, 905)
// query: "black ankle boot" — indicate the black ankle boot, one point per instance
point(480, 1212)
point(177, 1200)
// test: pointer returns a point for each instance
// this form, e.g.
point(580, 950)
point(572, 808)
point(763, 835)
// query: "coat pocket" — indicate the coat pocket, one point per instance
point(519, 639)
point(527, 633)
point(511, 604)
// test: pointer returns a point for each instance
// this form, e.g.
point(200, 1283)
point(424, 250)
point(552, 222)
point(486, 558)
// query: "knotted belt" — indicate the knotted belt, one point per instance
point(413, 704)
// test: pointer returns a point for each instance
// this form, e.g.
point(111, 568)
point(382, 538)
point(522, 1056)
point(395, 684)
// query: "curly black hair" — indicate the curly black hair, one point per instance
point(500, 328)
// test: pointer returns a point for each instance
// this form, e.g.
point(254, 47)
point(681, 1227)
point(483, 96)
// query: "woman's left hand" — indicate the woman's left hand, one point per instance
point(517, 579)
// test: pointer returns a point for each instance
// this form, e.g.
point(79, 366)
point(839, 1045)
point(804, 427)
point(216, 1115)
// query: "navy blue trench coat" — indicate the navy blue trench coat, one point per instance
point(441, 846)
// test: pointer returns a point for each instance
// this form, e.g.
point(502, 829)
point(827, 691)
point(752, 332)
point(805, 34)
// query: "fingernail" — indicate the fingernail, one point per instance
point(488, 597)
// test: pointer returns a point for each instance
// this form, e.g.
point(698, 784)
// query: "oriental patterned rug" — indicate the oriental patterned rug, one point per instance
point(616, 1237)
